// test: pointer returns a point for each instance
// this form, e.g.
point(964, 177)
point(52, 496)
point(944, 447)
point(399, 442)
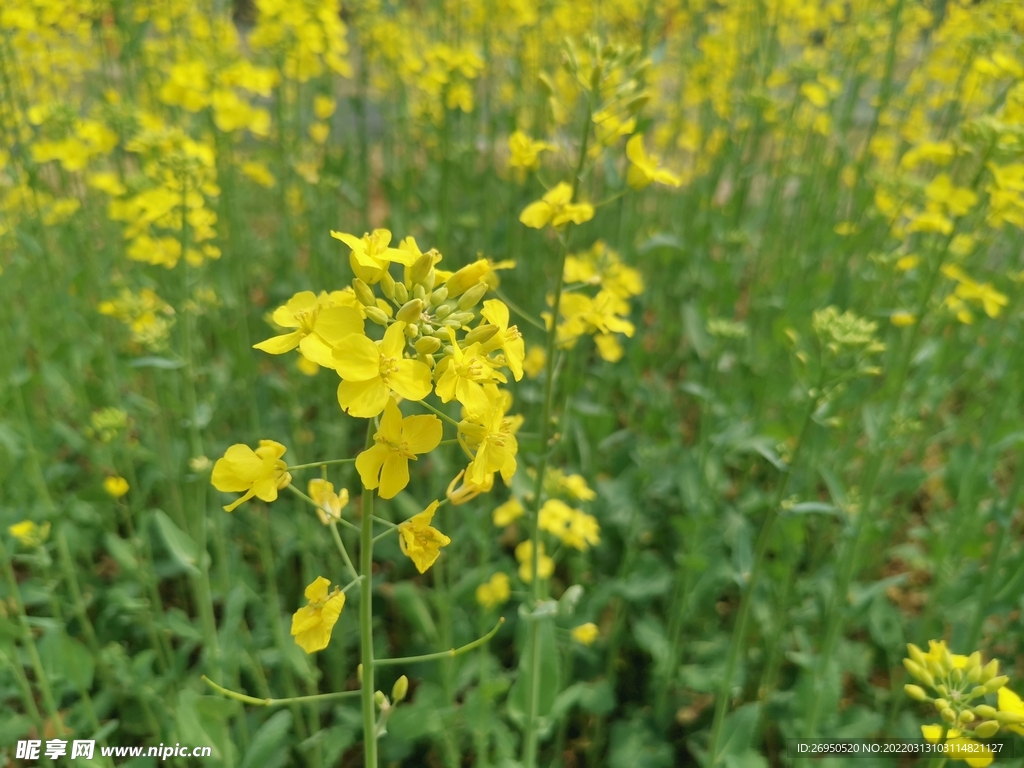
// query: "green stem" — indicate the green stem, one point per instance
point(279, 702)
point(441, 654)
point(366, 622)
point(313, 464)
point(310, 500)
point(341, 548)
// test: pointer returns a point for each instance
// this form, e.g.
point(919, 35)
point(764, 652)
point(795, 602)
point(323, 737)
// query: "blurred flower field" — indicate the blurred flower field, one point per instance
point(512, 383)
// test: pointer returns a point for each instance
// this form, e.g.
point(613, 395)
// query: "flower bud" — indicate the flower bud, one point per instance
point(966, 717)
point(438, 297)
point(412, 330)
point(637, 103)
point(957, 676)
point(916, 654)
point(401, 293)
point(482, 334)
point(976, 691)
point(400, 689)
point(427, 345)
point(387, 284)
point(996, 683)
point(1008, 718)
point(916, 692)
point(973, 674)
point(918, 672)
point(364, 294)
point(377, 315)
point(419, 292)
point(380, 699)
point(421, 267)
point(443, 311)
point(941, 704)
point(990, 670)
point(948, 715)
point(595, 77)
point(359, 673)
point(545, 84)
point(472, 296)
point(943, 690)
point(462, 318)
point(987, 730)
point(426, 360)
point(985, 711)
point(410, 311)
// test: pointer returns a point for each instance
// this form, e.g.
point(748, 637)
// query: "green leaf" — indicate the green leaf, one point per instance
point(122, 552)
point(157, 362)
point(67, 658)
point(180, 546)
point(634, 745)
point(549, 659)
point(268, 748)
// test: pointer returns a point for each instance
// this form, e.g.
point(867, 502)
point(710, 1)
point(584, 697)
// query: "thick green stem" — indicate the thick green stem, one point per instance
point(366, 623)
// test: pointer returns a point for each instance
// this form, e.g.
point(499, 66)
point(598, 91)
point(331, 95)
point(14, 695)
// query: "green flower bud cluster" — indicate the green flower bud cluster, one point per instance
point(845, 332)
point(959, 683)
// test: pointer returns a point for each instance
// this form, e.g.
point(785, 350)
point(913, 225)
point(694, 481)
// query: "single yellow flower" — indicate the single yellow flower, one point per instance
point(318, 327)
point(329, 503)
point(557, 209)
point(29, 534)
point(508, 339)
point(468, 490)
point(494, 592)
point(371, 371)
point(312, 624)
point(386, 462)
point(115, 486)
point(533, 363)
point(490, 435)
point(524, 554)
point(586, 634)
point(260, 473)
point(462, 374)
point(525, 152)
point(974, 753)
point(421, 542)
point(507, 513)
point(1010, 703)
point(902, 318)
point(371, 255)
point(643, 168)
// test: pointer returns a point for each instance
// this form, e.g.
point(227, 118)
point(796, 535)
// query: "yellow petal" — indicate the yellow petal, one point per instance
point(421, 434)
point(496, 313)
point(356, 358)
point(278, 345)
point(411, 380)
point(391, 422)
point(316, 350)
point(536, 215)
point(394, 476)
point(369, 463)
point(363, 399)
point(335, 323)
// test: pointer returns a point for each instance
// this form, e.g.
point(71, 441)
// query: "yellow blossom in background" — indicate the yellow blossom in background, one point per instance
point(507, 513)
point(313, 623)
point(29, 534)
point(643, 168)
point(524, 555)
point(908, 262)
point(260, 473)
point(525, 152)
point(507, 338)
point(533, 363)
point(494, 592)
point(972, 752)
point(557, 209)
point(371, 254)
point(386, 462)
point(586, 634)
point(573, 527)
point(1011, 704)
point(421, 542)
point(371, 371)
point(328, 503)
point(115, 486)
point(901, 318)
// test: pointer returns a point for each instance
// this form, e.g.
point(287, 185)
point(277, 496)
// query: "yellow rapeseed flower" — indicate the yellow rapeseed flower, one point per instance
point(524, 554)
point(115, 486)
point(260, 473)
point(386, 462)
point(533, 363)
point(557, 209)
point(29, 534)
point(972, 752)
point(329, 504)
point(494, 592)
point(318, 327)
point(643, 168)
point(371, 254)
point(507, 513)
point(420, 541)
point(1010, 703)
point(371, 371)
point(462, 374)
point(507, 338)
point(312, 624)
point(586, 634)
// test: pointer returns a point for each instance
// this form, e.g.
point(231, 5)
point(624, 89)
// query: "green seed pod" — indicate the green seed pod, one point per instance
point(412, 330)
point(443, 311)
point(400, 689)
point(482, 334)
point(996, 683)
point(916, 692)
point(363, 293)
point(380, 699)
point(376, 315)
point(987, 730)
point(948, 715)
point(1009, 718)
point(438, 297)
point(401, 293)
point(410, 311)
point(985, 711)
point(387, 284)
point(427, 345)
point(472, 296)
point(421, 267)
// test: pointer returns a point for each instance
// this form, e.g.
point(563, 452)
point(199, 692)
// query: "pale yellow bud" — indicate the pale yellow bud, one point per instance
point(941, 704)
point(438, 297)
point(387, 284)
point(918, 672)
point(401, 293)
point(443, 311)
point(985, 711)
point(987, 730)
point(410, 311)
point(376, 315)
point(916, 692)
point(1009, 718)
point(363, 293)
point(427, 345)
point(948, 715)
point(966, 717)
point(996, 683)
point(916, 654)
point(380, 699)
point(482, 333)
point(472, 296)
point(990, 670)
point(400, 689)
